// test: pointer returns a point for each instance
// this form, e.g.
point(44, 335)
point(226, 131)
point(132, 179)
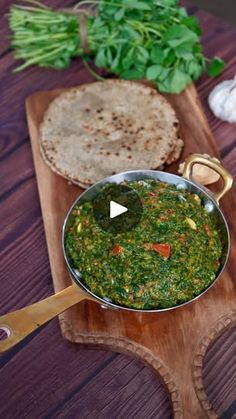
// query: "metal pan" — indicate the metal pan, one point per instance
point(21, 323)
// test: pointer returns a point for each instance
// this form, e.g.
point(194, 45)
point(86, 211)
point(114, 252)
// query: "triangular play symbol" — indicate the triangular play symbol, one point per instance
point(116, 209)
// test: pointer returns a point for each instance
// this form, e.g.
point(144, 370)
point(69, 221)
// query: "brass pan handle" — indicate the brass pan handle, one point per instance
point(21, 323)
point(212, 164)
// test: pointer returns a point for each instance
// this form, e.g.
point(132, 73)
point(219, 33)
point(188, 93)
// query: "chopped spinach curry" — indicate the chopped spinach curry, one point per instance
point(169, 258)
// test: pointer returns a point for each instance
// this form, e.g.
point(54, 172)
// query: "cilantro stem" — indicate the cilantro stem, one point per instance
point(37, 3)
point(44, 38)
point(92, 72)
point(38, 58)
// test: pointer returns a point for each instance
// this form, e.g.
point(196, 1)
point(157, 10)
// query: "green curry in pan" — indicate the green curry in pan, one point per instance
point(169, 258)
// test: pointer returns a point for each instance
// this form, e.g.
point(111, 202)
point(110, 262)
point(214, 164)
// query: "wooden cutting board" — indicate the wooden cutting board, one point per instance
point(173, 343)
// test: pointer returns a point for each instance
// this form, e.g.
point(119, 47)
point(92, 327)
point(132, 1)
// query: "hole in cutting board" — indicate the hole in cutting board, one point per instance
point(219, 373)
point(4, 333)
point(126, 387)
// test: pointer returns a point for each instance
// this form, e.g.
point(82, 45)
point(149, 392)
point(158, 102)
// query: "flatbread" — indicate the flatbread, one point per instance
point(99, 129)
point(175, 153)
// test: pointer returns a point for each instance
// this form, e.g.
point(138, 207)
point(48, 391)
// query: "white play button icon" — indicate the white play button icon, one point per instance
point(116, 209)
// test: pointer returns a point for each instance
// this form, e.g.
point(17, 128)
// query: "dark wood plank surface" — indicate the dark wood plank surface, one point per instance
point(225, 9)
point(44, 376)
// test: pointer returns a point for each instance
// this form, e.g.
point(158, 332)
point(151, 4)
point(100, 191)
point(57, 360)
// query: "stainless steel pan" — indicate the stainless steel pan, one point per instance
point(19, 324)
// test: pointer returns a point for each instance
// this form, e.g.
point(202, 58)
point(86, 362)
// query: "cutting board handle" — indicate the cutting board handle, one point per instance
point(19, 324)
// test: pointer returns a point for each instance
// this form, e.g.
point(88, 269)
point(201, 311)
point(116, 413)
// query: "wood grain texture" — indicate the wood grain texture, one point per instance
point(67, 381)
point(89, 323)
point(223, 323)
point(47, 371)
point(217, 378)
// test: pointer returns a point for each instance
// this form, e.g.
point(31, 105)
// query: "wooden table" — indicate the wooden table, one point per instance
point(225, 9)
point(44, 376)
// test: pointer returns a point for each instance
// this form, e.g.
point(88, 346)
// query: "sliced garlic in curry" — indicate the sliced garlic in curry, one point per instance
point(202, 174)
point(196, 197)
point(79, 227)
point(191, 223)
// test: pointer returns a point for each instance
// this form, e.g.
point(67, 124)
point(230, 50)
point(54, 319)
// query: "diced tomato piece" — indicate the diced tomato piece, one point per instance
point(151, 194)
point(163, 218)
point(216, 263)
point(117, 250)
point(207, 229)
point(182, 238)
point(162, 248)
point(169, 211)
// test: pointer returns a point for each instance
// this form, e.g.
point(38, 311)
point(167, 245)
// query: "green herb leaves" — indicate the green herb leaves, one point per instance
point(136, 4)
point(176, 81)
point(157, 54)
point(216, 66)
point(178, 35)
point(100, 59)
point(134, 39)
point(154, 71)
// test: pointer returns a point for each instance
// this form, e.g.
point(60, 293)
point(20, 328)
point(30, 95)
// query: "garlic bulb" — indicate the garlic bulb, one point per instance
point(222, 100)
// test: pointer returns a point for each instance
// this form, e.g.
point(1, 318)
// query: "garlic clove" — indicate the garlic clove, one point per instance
point(202, 174)
point(222, 100)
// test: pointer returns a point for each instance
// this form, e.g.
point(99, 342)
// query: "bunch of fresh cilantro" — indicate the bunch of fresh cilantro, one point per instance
point(152, 39)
